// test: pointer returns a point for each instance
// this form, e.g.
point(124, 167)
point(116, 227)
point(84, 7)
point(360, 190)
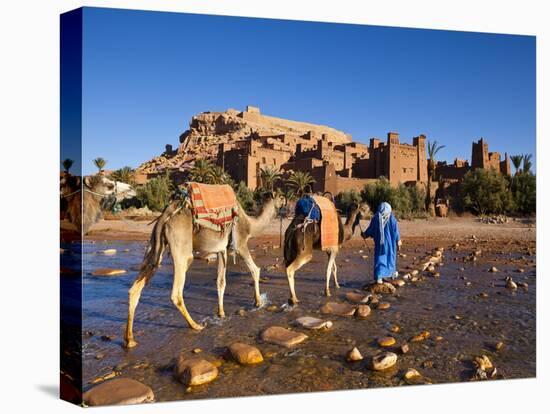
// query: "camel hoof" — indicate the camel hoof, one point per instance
point(337, 286)
point(293, 302)
point(197, 327)
point(130, 343)
point(327, 293)
point(258, 303)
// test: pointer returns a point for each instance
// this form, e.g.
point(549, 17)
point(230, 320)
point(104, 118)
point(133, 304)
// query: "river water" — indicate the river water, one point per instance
point(448, 307)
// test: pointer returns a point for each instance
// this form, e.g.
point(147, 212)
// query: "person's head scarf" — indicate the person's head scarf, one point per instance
point(384, 213)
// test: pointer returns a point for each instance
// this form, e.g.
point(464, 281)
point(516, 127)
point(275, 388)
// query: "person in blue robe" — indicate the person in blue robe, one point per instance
point(387, 240)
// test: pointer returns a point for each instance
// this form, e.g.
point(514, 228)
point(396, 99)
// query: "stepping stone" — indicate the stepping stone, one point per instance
point(194, 370)
point(118, 391)
point(357, 297)
point(363, 311)
point(108, 252)
point(108, 272)
point(313, 323)
point(420, 337)
point(339, 309)
point(398, 282)
point(384, 361)
point(282, 336)
point(383, 306)
point(382, 288)
point(245, 354)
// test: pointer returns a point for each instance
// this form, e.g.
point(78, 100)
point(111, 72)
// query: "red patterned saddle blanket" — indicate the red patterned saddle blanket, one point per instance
point(214, 206)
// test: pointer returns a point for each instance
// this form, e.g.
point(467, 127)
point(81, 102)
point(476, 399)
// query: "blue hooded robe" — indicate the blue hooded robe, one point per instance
point(385, 241)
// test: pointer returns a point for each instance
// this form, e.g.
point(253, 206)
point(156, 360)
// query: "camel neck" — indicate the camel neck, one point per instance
point(260, 222)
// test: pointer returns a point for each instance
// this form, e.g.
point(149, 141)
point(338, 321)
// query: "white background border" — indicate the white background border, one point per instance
point(29, 151)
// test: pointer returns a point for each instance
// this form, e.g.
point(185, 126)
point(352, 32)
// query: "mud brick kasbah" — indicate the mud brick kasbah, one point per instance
point(243, 142)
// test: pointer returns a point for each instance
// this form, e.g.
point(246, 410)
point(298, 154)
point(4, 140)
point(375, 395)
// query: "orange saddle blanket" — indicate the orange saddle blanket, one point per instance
point(329, 222)
point(214, 206)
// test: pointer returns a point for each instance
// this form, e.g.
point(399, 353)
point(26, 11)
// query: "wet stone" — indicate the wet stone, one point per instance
point(282, 336)
point(383, 361)
point(421, 336)
point(357, 297)
point(245, 354)
point(309, 322)
point(382, 288)
point(118, 391)
point(386, 341)
point(363, 311)
point(354, 355)
point(194, 370)
point(108, 272)
point(383, 306)
point(339, 309)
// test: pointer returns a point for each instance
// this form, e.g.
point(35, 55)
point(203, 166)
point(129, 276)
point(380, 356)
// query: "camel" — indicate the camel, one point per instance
point(83, 203)
point(300, 243)
point(174, 229)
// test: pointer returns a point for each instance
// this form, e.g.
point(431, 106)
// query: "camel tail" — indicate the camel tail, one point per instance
point(157, 243)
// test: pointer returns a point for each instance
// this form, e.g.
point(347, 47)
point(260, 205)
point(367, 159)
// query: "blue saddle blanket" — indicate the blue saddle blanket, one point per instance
point(306, 206)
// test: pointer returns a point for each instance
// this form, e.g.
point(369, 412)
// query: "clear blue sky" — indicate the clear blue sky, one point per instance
point(145, 74)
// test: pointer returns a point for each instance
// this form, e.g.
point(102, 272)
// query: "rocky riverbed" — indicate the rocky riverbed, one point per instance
point(440, 318)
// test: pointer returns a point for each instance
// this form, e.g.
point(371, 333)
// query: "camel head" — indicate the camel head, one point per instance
point(357, 212)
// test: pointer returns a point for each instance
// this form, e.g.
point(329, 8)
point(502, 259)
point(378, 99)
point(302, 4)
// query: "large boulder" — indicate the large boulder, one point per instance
point(118, 391)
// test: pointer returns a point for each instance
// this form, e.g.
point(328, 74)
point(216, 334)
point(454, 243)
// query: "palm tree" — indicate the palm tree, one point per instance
point(527, 164)
point(269, 177)
point(516, 161)
point(300, 180)
point(433, 149)
point(100, 163)
point(218, 176)
point(201, 171)
point(124, 175)
point(67, 164)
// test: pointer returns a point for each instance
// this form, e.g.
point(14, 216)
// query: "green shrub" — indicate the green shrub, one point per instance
point(486, 192)
point(524, 192)
point(156, 193)
point(346, 198)
point(245, 196)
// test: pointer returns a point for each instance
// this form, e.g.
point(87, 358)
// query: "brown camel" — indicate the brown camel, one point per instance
point(174, 229)
point(83, 202)
point(300, 243)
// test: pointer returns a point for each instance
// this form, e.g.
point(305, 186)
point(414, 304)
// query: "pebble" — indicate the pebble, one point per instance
point(108, 272)
point(118, 391)
point(493, 269)
point(411, 373)
point(339, 309)
point(510, 284)
point(405, 348)
point(363, 311)
point(354, 355)
point(197, 350)
point(282, 336)
point(241, 312)
point(483, 295)
point(194, 371)
point(421, 336)
point(386, 341)
point(499, 346)
point(309, 322)
point(483, 362)
point(414, 273)
point(383, 361)
point(272, 308)
point(245, 354)
point(395, 328)
point(398, 282)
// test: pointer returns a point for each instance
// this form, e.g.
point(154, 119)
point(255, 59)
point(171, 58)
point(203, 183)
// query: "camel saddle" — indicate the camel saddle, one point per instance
point(214, 206)
point(329, 222)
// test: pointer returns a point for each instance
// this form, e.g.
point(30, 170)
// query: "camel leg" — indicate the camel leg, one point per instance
point(220, 283)
point(330, 266)
point(254, 271)
point(181, 264)
point(133, 296)
point(290, 270)
point(335, 274)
